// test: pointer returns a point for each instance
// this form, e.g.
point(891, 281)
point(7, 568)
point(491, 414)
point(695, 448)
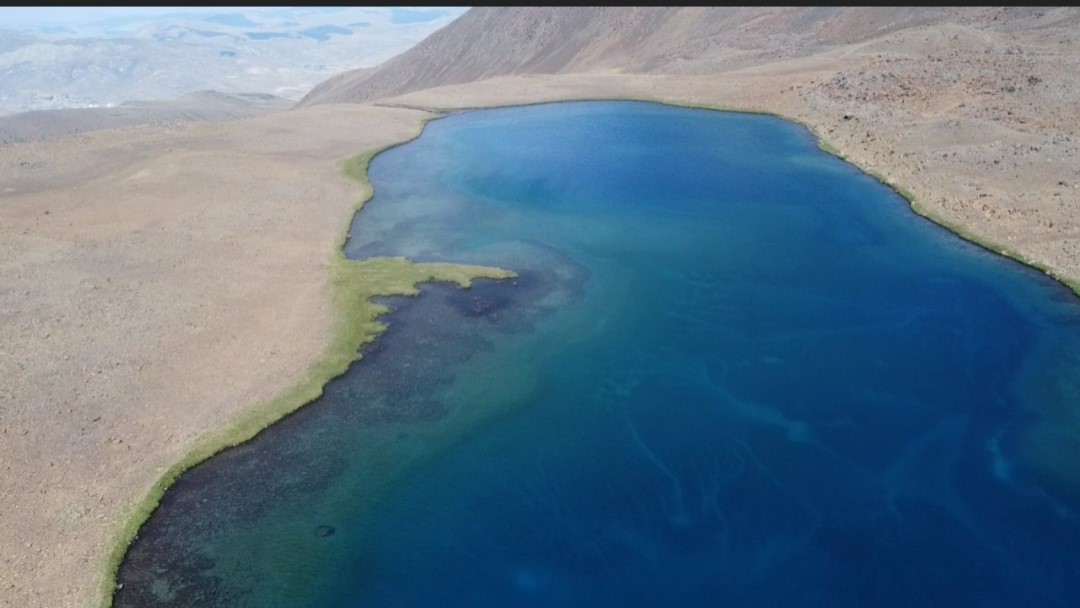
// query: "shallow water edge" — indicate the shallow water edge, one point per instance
point(353, 293)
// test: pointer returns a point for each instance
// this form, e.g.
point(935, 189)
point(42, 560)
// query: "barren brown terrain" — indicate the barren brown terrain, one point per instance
point(157, 281)
point(203, 106)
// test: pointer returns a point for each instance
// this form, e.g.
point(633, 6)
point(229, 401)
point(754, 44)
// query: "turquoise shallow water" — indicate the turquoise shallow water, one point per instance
point(734, 371)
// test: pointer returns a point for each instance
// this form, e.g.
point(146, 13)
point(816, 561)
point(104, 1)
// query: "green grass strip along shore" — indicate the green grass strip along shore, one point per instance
point(353, 284)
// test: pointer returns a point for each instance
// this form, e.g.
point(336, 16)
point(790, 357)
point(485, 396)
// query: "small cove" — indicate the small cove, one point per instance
point(734, 370)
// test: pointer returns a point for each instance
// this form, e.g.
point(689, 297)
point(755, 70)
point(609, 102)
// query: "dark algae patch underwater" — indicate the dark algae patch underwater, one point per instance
point(733, 370)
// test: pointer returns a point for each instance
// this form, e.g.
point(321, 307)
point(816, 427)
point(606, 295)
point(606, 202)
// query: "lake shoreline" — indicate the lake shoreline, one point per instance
point(336, 361)
point(356, 284)
point(806, 137)
point(64, 557)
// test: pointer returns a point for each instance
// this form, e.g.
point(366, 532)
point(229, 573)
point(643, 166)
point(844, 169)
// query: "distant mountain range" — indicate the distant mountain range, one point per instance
point(278, 51)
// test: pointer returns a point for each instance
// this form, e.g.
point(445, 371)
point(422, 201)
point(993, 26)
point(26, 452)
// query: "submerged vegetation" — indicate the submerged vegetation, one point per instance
point(354, 284)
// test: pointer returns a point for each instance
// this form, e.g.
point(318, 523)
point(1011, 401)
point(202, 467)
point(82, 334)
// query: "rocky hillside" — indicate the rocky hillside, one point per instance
point(487, 42)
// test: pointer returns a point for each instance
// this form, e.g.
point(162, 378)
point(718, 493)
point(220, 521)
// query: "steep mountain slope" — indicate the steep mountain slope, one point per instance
point(494, 41)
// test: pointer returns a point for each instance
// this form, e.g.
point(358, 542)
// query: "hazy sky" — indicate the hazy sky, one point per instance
point(25, 16)
point(36, 16)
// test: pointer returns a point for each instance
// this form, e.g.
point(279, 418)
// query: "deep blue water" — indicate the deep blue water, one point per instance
point(734, 371)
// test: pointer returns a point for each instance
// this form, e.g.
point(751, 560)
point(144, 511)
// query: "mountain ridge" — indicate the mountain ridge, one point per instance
point(487, 42)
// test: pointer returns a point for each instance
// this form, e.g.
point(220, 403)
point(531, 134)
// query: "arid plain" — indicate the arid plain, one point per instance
point(158, 281)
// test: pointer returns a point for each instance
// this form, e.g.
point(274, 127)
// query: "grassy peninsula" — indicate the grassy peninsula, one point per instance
point(354, 284)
